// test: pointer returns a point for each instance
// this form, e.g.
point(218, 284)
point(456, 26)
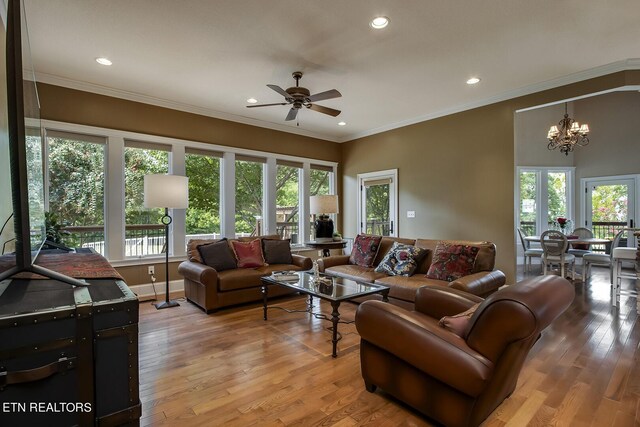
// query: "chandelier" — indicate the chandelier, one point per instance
point(570, 134)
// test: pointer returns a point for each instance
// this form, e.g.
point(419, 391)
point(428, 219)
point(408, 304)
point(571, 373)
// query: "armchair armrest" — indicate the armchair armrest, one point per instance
point(438, 301)
point(197, 272)
point(332, 261)
point(303, 262)
point(419, 341)
point(482, 283)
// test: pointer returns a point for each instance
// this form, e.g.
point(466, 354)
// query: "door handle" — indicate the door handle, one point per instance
point(391, 230)
point(631, 223)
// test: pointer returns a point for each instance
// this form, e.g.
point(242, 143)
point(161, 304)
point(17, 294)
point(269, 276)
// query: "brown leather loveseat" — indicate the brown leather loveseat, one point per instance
point(457, 380)
point(482, 281)
point(211, 290)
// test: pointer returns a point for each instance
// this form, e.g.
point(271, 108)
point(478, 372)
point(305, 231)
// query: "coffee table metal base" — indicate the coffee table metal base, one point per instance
point(335, 314)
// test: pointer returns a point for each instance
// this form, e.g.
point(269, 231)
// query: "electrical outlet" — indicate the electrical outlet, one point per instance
point(411, 214)
point(152, 270)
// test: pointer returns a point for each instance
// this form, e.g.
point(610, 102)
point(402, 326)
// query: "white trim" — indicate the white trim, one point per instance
point(173, 105)
point(576, 98)
point(393, 198)
point(269, 206)
point(228, 195)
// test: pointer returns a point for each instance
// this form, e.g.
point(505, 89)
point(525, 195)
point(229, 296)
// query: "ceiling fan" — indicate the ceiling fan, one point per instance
point(299, 97)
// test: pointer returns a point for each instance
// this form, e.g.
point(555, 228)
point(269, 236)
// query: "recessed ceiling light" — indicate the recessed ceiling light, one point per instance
point(473, 80)
point(379, 22)
point(252, 101)
point(342, 123)
point(103, 61)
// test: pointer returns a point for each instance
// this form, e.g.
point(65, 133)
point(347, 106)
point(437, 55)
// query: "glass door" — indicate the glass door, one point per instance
point(610, 206)
point(378, 203)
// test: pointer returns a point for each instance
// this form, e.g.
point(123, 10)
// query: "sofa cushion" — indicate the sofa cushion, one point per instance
point(277, 251)
point(401, 260)
point(485, 260)
point(248, 254)
point(364, 250)
point(459, 323)
point(451, 262)
point(239, 278)
point(385, 245)
point(218, 255)
point(354, 272)
point(405, 288)
point(192, 248)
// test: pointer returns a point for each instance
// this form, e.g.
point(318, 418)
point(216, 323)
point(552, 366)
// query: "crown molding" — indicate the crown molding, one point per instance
point(146, 99)
point(614, 67)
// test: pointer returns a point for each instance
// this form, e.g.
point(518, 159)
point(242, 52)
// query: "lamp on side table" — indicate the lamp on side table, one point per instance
point(166, 191)
point(323, 205)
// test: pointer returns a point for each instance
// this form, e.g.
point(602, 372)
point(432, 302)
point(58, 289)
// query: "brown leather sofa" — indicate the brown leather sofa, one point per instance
point(455, 380)
point(483, 281)
point(212, 290)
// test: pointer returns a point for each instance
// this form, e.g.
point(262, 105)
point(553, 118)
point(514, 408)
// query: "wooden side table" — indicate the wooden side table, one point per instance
point(327, 246)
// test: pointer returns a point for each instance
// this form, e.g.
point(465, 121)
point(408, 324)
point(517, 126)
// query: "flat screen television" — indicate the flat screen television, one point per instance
point(21, 146)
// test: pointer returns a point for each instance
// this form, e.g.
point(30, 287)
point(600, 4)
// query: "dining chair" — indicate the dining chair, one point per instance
point(529, 252)
point(554, 247)
point(600, 259)
point(618, 256)
point(581, 250)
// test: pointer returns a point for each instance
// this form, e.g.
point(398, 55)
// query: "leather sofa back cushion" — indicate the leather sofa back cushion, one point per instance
point(277, 251)
point(218, 255)
point(248, 254)
point(459, 323)
point(364, 250)
point(485, 261)
point(192, 249)
point(451, 262)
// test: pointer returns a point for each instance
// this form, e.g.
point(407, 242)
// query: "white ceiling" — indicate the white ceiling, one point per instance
point(209, 56)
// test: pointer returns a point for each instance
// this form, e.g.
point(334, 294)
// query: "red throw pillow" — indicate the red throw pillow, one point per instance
point(364, 250)
point(458, 323)
point(451, 262)
point(249, 254)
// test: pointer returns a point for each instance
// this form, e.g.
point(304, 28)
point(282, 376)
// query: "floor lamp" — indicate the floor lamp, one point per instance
point(166, 191)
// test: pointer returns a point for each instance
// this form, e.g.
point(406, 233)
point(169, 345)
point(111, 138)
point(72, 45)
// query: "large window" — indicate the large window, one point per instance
point(544, 195)
point(203, 214)
point(144, 233)
point(249, 203)
point(287, 200)
point(76, 188)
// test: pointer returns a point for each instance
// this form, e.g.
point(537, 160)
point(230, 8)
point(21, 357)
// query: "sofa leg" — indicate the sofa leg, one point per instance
point(371, 388)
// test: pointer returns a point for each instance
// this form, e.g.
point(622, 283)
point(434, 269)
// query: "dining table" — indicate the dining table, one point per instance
point(579, 241)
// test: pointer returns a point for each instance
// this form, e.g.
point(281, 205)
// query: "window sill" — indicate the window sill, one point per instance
point(146, 260)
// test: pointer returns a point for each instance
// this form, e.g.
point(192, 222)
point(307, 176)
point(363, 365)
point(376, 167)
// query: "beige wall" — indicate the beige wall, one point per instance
point(73, 106)
point(457, 172)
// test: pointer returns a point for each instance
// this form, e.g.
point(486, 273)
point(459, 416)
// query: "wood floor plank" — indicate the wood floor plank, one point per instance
point(232, 368)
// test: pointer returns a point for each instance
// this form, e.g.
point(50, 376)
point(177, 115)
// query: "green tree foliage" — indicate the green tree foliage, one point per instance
point(203, 214)
point(378, 209)
point(609, 203)
point(138, 163)
point(557, 185)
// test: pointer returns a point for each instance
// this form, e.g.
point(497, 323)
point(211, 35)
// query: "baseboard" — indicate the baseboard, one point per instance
point(145, 291)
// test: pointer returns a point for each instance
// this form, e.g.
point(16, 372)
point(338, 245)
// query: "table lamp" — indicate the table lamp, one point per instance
point(166, 191)
point(323, 205)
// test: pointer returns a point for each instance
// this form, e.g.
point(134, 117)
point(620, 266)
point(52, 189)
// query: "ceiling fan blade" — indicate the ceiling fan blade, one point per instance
point(330, 94)
point(280, 90)
point(267, 105)
point(325, 110)
point(293, 112)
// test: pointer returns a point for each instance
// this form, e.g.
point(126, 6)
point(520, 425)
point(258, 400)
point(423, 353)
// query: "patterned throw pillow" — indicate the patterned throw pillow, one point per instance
point(451, 262)
point(364, 250)
point(248, 254)
point(458, 323)
point(401, 260)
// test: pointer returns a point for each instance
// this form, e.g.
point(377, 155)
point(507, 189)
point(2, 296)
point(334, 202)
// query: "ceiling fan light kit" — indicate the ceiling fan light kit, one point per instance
point(299, 97)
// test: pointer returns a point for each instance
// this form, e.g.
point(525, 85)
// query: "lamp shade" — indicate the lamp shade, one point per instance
point(166, 191)
point(323, 204)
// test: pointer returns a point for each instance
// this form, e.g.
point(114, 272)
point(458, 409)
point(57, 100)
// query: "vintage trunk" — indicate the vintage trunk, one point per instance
point(68, 356)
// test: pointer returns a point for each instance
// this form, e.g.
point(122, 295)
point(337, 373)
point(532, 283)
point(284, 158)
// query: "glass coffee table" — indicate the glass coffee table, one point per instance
point(341, 290)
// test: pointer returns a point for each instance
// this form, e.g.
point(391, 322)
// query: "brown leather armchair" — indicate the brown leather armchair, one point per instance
point(455, 380)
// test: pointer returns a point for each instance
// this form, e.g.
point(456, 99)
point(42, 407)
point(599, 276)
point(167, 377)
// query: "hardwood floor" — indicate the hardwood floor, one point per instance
point(232, 368)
